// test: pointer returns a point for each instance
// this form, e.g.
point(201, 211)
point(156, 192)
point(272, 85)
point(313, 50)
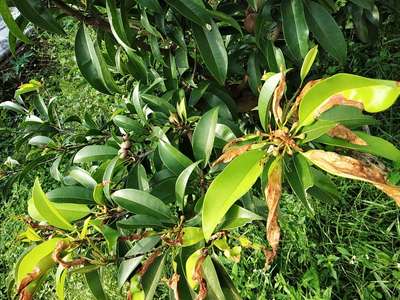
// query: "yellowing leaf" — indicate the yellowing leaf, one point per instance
point(191, 236)
point(349, 167)
point(47, 210)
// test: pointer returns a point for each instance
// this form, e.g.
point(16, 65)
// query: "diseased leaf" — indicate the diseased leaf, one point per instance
point(232, 183)
point(343, 133)
point(278, 94)
point(273, 192)
point(348, 167)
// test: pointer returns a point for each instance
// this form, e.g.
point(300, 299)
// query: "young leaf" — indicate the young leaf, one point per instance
point(47, 210)
point(326, 31)
point(373, 95)
point(39, 15)
point(95, 152)
point(191, 236)
point(203, 136)
point(61, 275)
point(94, 282)
point(265, 97)
point(11, 23)
point(181, 183)
point(308, 62)
point(140, 202)
point(212, 50)
point(172, 158)
point(91, 63)
point(232, 183)
point(295, 28)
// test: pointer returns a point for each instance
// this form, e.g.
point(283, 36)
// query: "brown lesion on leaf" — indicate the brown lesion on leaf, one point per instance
point(278, 95)
point(349, 167)
point(198, 275)
point(231, 153)
point(273, 193)
point(344, 133)
point(173, 285)
point(24, 289)
point(337, 100)
point(57, 256)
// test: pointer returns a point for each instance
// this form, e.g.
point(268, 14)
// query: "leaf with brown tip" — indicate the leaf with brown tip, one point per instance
point(278, 94)
point(349, 167)
point(231, 153)
point(273, 192)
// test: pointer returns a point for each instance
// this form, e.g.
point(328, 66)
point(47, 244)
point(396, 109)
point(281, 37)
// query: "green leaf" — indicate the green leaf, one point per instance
point(375, 145)
point(198, 92)
point(231, 184)
point(83, 177)
point(295, 173)
point(228, 287)
point(203, 136)
point(308, 62)
point(192, 10)
point(326, 31)
point(95, 153)
point(140, 248)
point(47, 210)
point(264, 99)
point(191, 236)
point(40, 140)
point(295, 28)
point(140, 221)
point(181, 183)
point(98, 194)
point(61, 275)
point(190, 267)
point(107, 177)
point(224, 18)
point(253, 71)
point(172, 158)
point(71, 194)
point(128, 124)
point(238, 216)
point(11, 23)
point(39, 15)
point(95, 285)
point(13, 107)
point(323, 186)
point(214, 290)
point(91, 63)
point(212, 50)
point(137, 178)
point(152, 277)
point(375, 95)
point(119, 22)
point(140, 202)
point(135, 98)
point(34, 258)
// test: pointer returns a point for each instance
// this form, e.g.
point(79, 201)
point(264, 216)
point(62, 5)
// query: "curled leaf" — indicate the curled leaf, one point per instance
point(349, 167)
point(334, 101)
point(344, 133)
point(278, 94)
point(231, 153)
point(273, 193)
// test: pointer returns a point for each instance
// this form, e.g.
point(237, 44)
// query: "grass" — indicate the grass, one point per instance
point(350, 249)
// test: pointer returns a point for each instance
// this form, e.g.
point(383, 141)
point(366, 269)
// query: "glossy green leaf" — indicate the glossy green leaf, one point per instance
point(128, 124)
point(13, 107)
point(238, 216)
point(40, 140)
point(308, 62)
point(98, 194)
point(264, 99)
point(152, 277)
point(198, 92)
point(191, 236)
point(181, 183)
point(33, 257)
point(108, 174)
point(118, 22)
point(140, 221)
point(376, 95)
point(295, 174)
point(224, 18)
point(11, 23)
point(137, 178)
point(231, 184)
point(190, 267)
point(228, 287)
point(94, 282)
point(192, 10)
point(203, 136)
point(39, 15)
point(140, 202)
point(326, 31)
point(94, 153)
point(61, 275)
point(83, 177)
point(295, 28)
point(91, 63)
point(214, 289)
point(212, 50)
point(172, 158)
point(47, 210)
point(375, 145)
point(254, 73)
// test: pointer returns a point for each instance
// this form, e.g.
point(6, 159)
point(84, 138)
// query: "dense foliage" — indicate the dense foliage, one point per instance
point(139, 190)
